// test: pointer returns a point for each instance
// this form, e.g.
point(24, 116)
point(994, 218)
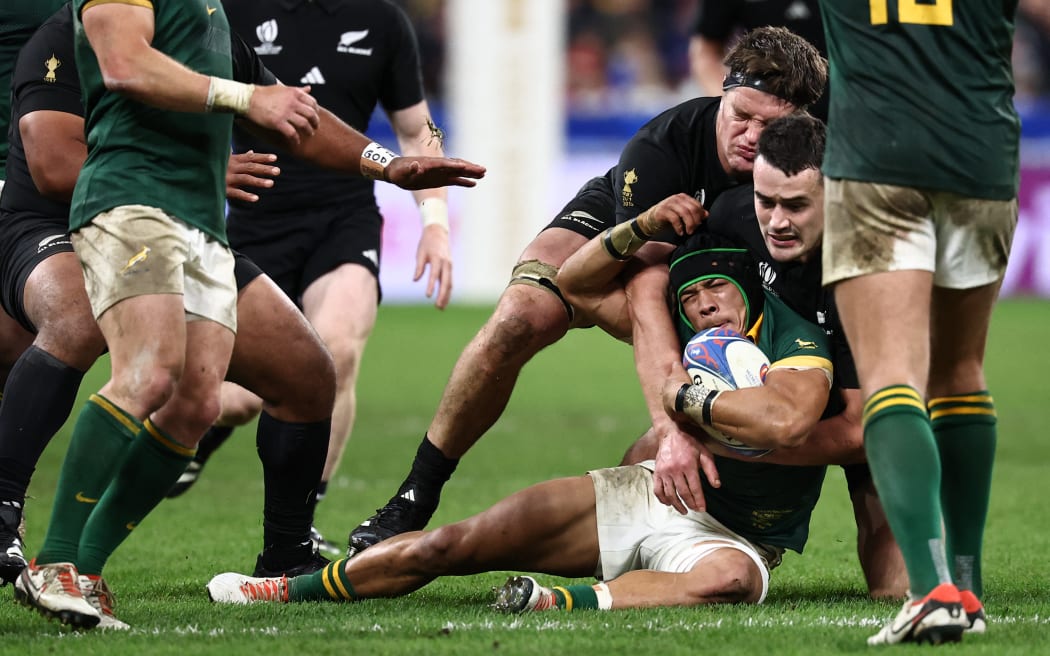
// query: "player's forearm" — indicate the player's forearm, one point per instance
point(335, 145)
point(418, 136)
point(589, 273)
point(780, 414)
point(657, 353)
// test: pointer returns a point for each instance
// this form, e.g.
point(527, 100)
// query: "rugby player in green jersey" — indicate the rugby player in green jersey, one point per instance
point(608, 522)
point(147, 224)
point(921, 204)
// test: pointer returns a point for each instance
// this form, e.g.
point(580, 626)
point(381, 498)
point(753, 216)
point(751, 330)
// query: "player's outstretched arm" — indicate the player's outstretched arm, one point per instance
point(339, 147)
point(121, 36)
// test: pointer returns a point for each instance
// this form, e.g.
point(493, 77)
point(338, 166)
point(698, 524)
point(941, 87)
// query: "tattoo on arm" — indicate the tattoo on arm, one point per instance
point(436, 133)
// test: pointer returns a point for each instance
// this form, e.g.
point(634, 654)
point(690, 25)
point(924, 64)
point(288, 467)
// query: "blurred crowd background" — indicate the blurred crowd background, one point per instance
point(631, 56)
point(627, 60)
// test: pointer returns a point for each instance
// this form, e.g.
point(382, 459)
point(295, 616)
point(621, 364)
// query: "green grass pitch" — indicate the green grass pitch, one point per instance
point(577, 406)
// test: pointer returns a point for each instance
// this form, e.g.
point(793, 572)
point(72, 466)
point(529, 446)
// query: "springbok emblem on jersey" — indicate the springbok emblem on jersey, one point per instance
point(52, 65)
point(627, 197)
point(136, 259)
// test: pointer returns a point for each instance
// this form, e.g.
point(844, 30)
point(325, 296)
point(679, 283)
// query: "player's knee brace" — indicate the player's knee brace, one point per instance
point(541, 276)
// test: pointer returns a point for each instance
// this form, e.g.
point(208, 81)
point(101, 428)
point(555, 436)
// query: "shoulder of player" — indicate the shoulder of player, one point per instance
point(790, 332)
point(53, 40)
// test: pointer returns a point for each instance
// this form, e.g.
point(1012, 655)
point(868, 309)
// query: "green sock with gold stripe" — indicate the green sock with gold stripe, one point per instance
point(965, 428)
point(327, 584)
point(906, 467)
point(575, 597)
point(101, 438)
point(152, 465)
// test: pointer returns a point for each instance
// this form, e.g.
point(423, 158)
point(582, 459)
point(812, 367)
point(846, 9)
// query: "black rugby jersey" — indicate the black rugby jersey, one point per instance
point(45, 78)
point(18, 20)
point(676, 152)
point(354, 54)
point(798, 284)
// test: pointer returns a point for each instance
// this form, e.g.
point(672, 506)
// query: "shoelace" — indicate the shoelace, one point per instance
point(395, 509)
point(101, 598)
point(64, 578)
point(266, 590)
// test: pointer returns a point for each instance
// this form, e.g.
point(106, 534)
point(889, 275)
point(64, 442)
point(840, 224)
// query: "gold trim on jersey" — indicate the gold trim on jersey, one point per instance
point(135, 3)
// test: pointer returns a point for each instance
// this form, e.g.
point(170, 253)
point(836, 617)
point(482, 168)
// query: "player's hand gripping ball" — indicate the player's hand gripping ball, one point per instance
point(723, 359)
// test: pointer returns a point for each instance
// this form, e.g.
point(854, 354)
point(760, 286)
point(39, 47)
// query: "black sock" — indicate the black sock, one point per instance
point(213, 438)
point(430, 471)
point(322, 489)
point(293, 457)
point(38, 397)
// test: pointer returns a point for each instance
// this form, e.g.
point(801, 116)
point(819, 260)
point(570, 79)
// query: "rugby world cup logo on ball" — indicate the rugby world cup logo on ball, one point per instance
point(723, 359)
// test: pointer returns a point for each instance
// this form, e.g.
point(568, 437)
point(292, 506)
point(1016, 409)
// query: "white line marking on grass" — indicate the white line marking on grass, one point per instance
point(562, 623)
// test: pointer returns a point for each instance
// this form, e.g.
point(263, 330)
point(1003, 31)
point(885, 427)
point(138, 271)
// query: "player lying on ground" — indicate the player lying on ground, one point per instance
point(780, 219)
point(701, 147)
point(575, 526)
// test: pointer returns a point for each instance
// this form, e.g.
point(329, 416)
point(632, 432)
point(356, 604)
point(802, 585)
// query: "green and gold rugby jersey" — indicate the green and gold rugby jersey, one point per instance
point(767, 503)
point(141, 155)
point(922, 95)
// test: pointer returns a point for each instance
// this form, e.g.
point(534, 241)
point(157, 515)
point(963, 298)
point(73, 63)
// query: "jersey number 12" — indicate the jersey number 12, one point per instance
point(914, 12)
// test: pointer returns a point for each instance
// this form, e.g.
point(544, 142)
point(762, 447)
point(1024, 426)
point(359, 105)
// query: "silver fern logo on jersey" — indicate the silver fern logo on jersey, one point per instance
point(267, 33)
point(348, 39)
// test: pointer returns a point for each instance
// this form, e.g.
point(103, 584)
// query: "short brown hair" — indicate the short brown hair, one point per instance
point(793, 143)
point(788, 66)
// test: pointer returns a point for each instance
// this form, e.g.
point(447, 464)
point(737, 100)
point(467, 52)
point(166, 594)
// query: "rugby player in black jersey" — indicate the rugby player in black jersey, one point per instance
point(701, 147)
point(780, 218)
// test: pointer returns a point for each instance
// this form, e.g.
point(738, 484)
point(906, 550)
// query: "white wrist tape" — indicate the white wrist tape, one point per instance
point(601, 591)
point(228, 96)
point(434, 211)
point(374, 160)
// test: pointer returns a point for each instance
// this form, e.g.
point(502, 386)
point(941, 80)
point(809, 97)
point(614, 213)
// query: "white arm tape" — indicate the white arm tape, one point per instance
point(374, 160)
point(228, 96)
point(434, 211)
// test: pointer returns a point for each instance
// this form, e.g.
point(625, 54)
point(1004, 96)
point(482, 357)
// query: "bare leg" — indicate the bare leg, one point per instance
point(724, 576)
point(963, 417)
point(549, 527)
point(527, 318)
point(893, 357)
point(279, 357)
point(879, 555)
point(341, 305)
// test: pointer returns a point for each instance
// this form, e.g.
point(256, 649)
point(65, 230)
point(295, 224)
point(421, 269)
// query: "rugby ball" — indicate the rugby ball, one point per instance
point(723, 359)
